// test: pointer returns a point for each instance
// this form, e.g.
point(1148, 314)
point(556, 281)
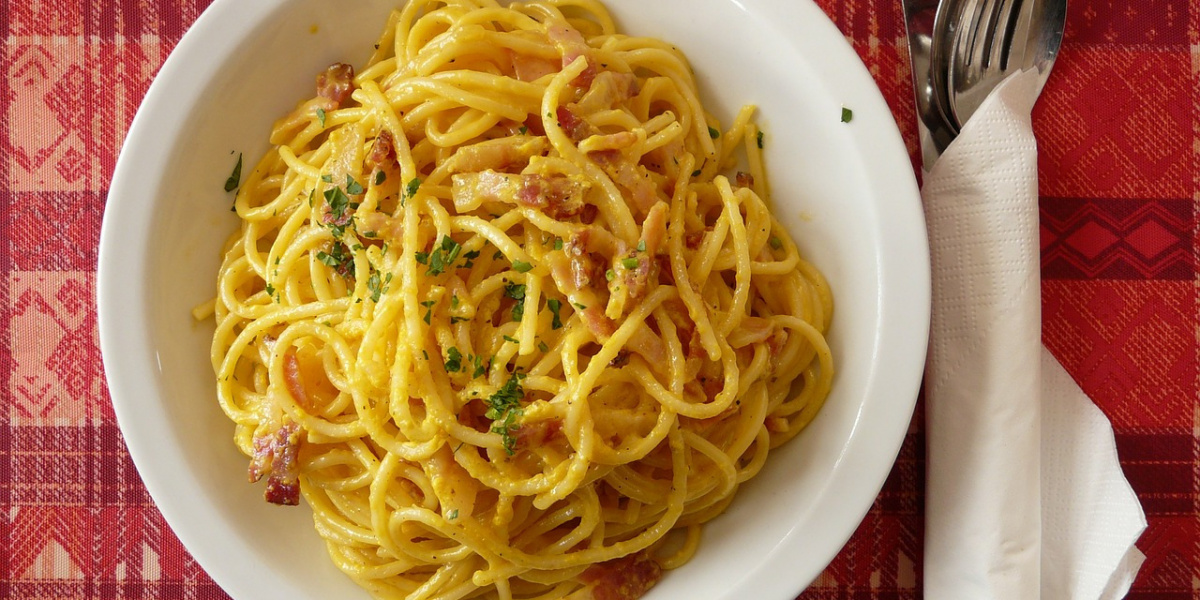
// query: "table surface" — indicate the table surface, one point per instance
point(1119, 137)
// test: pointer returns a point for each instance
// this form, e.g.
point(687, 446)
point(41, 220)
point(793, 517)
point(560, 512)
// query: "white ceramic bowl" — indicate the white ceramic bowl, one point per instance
point(845, 190)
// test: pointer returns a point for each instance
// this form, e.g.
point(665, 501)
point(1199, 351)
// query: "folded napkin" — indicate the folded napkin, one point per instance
point(1025, 498)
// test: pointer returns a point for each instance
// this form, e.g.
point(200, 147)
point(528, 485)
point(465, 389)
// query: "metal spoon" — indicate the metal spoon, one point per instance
point(990, 40)
point(962, 49)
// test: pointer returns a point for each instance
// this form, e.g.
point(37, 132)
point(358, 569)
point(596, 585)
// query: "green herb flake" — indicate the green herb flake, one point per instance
point(509, 338)
point(760, 140)
point(524, 130)
point(775, 242)
point(516, 291)
point(610, 274)
point(558, 243)
point(428, 304)
point(847, 115)
point(453, 360)
point(410, 190)
point(713, 133)
point(629, 263)
point(543, 347)
point(452, 515)
point(380, 177)
point(321, 116)
point(504, 409)
point(376, 286)
point(477, 362)
point(555, 306)
point(353, 187)
point(521, 266)
point(327, 178)
point(235, 178)
point(696, 173)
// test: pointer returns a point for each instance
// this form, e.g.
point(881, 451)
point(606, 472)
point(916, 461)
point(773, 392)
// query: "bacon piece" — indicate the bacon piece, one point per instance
point(743, 179)
point(573, 125)
point(610, 143)
point(632, 177)
point(571, 45)
point(558, 196)
point(498, 154)
point(275, 455)
point(336, 83)
point(626, 578)
point(383, 153)
point(531, 68)
point(694, 239)
point(601, 326)
point(587, 266)
point(654, 228)
point(540, 433)
point(607, 89)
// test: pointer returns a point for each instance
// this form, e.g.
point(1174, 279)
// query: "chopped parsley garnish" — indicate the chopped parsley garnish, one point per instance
point(452, 515)
point(521, 266)
point(338, 258)
point(442, 256)
point(321, 116)
point(327, 178)
point(410, 190)
point(428, 304)
point(847, 115)
point(353, 187)
point(378, 288)
point(579, 306)
point(271, 291)
point(713, 133)
point(558, 243)
point(524, 130)
point(470, 259)
point(477, 362)
point(555, 306)
point(629, 263)
point(497, 255)
point(543, 347)
point(454, 301)
point(235, 178)
point(380, 177)
point(516, 291)
point(453, 360)
point(641, 247)
point(760, 140)
point(504, 409)
point(509, 338)
point(610, 274)
point(696, 173)
point(775, 242)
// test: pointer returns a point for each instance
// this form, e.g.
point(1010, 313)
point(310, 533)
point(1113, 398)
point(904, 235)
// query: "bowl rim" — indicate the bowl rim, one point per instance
point(904, 273)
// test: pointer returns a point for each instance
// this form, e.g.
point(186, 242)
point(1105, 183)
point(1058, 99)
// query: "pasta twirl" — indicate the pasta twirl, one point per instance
point(498, 315)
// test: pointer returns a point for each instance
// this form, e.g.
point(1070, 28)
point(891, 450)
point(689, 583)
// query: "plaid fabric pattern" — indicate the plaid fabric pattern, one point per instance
point(1119, 132)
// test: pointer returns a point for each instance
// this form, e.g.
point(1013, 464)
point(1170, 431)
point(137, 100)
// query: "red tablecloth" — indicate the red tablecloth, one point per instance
point(1119, 130)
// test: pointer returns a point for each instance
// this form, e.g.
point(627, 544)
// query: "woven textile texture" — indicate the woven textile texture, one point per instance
point(1119, 137)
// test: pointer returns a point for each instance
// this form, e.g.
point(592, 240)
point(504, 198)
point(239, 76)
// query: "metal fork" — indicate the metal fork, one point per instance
point(962, 49)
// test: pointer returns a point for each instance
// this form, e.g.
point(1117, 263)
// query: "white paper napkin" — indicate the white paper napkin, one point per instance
point(1025, 498)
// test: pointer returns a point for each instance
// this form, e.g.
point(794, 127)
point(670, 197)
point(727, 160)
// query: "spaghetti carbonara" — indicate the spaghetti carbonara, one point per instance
point(495, 312)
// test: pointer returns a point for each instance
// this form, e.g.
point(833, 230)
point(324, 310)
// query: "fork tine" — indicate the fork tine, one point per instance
point(1010, 13)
